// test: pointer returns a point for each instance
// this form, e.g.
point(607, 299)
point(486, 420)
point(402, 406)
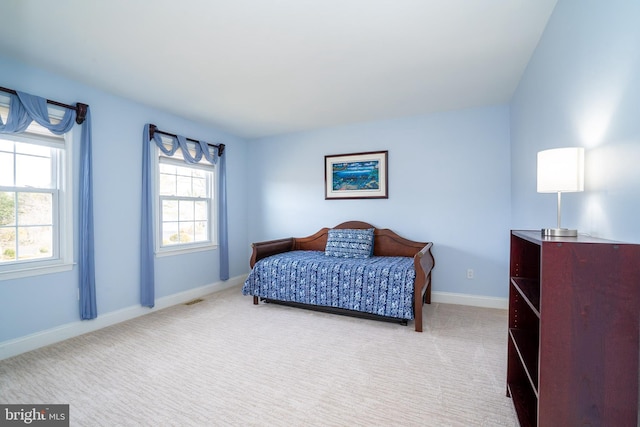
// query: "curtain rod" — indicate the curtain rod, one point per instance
point(80, 108)
point(154, 129)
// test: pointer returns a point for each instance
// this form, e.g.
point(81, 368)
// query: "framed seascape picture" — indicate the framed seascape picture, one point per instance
point(356, 176)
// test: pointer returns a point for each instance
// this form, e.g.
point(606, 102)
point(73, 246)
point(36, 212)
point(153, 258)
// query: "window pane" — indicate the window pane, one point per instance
point(170, 233)
point(199, 187)
point(7, 244)
point(7, 208)
point(186, 210)
point(169, 210)
point(35, 242)
point(184, 186)
point(33, 171)
point(35, 209)
point(201, 232)
point(167, 185)
point(167, 179)
point(186, 232)
point(6, 169)
point(202, 211)
point(171, 236)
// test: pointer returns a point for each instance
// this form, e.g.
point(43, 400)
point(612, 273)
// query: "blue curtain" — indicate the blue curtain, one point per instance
point(147, 270)
point(222, 220)
point(23, 109)
point(147, 260)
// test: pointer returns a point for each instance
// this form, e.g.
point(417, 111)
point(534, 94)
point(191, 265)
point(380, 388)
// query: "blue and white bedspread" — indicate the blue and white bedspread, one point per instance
point(377, 285)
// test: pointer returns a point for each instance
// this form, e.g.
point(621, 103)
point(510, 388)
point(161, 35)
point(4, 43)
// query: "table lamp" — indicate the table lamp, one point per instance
point(560, 170)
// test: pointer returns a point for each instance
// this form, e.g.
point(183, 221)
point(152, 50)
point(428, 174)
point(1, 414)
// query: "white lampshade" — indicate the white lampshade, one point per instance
point(561, 170)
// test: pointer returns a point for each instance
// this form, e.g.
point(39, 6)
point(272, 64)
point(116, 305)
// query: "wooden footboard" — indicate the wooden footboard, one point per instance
point(386, 243)
point(423, 262)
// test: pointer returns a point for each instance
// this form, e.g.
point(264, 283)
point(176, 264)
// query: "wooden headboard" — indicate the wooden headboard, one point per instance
point(385, 241)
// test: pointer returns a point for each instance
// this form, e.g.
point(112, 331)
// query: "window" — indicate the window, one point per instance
point(35, 202)
point(185, 208)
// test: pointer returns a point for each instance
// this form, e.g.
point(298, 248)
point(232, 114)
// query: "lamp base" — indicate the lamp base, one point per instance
point(559, 232)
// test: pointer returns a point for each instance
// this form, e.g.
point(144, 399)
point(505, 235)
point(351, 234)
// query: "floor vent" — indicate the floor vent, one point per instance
point(195, 301)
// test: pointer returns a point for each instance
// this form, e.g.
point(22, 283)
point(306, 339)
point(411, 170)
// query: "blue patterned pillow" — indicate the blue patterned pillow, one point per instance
point(350, 243)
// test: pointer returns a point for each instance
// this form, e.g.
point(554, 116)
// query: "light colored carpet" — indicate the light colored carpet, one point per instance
point(224, 361)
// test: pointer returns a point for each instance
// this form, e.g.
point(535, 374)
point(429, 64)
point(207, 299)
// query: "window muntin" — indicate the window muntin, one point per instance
point(185, 204)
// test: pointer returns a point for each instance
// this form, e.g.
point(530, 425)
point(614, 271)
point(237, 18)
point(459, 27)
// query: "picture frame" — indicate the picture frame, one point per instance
point(356, 176)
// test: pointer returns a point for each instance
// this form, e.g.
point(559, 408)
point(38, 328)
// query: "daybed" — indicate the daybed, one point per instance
point(391, 283)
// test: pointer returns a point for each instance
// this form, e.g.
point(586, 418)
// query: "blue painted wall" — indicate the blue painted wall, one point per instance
point(461, 179)
point(39, 303)
point(449, 183)
point(582, 88)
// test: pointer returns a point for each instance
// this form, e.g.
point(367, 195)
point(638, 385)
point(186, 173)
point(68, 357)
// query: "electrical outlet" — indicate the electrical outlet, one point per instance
point(469, 273)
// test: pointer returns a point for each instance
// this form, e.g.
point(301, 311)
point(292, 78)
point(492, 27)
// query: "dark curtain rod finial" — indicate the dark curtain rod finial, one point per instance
point(81, 112)
point(152, 130)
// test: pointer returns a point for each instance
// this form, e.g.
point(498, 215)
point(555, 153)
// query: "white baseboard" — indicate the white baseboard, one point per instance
point(30, 342)
point(466, 299)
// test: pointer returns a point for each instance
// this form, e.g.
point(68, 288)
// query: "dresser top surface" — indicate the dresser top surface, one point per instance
point(536, 236)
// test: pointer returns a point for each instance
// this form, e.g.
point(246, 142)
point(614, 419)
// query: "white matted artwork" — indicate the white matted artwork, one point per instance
point(356, 176)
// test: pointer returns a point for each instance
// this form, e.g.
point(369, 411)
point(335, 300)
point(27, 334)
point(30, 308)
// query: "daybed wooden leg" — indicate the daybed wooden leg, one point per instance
point(255, 300)
point(417, 312)
point(427, 294)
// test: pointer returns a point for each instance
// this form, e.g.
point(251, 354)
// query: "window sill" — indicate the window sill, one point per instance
point(34, 271)
point(180, 251)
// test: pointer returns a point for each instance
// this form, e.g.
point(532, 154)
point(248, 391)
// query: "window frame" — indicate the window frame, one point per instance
point(212, 213)
point(62, 204)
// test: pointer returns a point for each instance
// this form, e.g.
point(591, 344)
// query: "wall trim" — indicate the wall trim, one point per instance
point(46, 337)
point(466, 299)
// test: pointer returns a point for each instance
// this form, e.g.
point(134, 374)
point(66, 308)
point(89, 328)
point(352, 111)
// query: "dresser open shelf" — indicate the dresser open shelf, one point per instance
point(573, 344)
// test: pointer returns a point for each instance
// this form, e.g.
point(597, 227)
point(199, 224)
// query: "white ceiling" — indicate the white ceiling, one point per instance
point(265, 67)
